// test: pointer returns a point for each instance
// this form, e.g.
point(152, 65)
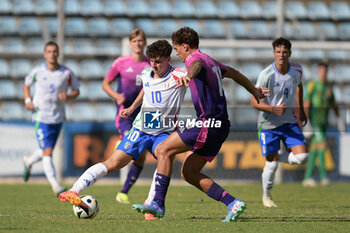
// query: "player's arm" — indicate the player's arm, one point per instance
point(242, 80)
point(262, 106)
point(27, 100)
point(125, 113)
point(192, 71)
point(107, 87)
point(72, 95)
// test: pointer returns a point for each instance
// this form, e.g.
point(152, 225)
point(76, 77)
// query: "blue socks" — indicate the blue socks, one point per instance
point(133, 174)
point(218, 193)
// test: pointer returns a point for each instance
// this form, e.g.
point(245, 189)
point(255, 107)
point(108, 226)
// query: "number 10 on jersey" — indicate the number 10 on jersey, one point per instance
point(156, 97)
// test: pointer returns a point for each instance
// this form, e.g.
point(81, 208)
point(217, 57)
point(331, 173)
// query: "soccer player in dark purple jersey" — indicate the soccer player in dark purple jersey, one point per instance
point(211, 128)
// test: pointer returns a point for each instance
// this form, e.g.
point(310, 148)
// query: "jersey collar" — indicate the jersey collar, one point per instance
point(275, 68)
point(166, 73)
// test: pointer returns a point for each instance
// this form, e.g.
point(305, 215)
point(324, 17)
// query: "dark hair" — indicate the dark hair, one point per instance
point(323, 64)
point(186, 35)
point(281, 41)
point(51, 43)
point(160, 48)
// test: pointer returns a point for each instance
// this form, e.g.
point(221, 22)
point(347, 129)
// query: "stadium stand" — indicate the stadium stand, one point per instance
point(318, 11)
point(114, 8)
point(4, 68)
point(6, 7)
point(8, 25)
point(22, 7)
point(250, 9)
point(91, 7)
point(205, 9)
point(339, 10)
point(159, 8)
point(29, 26)
point(228, 9)
point(7, 89)
point(95, 29)
point(45, 7)
point(269, 10)
point(148, 25)
point(72, 7)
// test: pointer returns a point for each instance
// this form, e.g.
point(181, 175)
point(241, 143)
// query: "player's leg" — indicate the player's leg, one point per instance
point(47, 135)
point(115, 162)
point(165, 153)
point(133, 174)
point(150, 197)
point(308, 180)
point(270, 145)
point(28, 162)
point(191, 172)
point(268, 179)
point(295, 141)
point(130, 148)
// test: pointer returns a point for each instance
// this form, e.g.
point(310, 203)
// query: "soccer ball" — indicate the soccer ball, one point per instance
point(88, 207)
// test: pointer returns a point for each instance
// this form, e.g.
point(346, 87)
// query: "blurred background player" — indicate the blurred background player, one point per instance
point(51, 82)
point(205, 82)
point(276, 120)
point(318, 100)
point(161, 102)
point(127, 70)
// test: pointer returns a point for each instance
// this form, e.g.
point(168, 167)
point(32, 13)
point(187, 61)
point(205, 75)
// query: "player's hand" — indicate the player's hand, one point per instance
point(279, 110)
point(125, 113)
point(261, 92)
point(120, 98)
point(62, 96)
point(30, 106)
point(183, 81)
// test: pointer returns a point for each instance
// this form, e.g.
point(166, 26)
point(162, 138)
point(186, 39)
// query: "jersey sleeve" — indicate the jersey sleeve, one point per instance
point(73, 81)
point(30, 78)
point(262, 80)
point(114, 71)
point(223, 68)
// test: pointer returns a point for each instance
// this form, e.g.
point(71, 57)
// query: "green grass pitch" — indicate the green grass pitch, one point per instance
point(33, 208)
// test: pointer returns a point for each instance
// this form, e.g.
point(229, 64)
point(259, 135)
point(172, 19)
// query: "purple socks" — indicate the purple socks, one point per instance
point(133, 174)
point(162, 184)
point(218, 193)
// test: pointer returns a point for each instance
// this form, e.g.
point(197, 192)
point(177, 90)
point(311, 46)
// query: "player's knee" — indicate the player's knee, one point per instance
point(271, 165)
point(302, 158)
point(161, 151)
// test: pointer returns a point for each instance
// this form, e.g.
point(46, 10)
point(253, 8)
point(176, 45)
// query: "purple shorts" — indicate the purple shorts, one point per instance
point(205, 141)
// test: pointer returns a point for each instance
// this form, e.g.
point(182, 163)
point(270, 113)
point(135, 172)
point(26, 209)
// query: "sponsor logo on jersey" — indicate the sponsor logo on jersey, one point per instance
point(277, 84)
point(147, 84)
point(151, 120)
point(129, 70)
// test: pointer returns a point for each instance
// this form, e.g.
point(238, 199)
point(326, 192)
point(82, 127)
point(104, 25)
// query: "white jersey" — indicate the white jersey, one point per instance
point(161, 101)
point(48, 108)
point(282, 90)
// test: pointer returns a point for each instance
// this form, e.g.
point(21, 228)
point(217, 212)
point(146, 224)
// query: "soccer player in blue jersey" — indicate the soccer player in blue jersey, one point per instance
point(277, 119)
point(211, 129)
point(161, 102)
point(51, 81)
point(126, 70)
